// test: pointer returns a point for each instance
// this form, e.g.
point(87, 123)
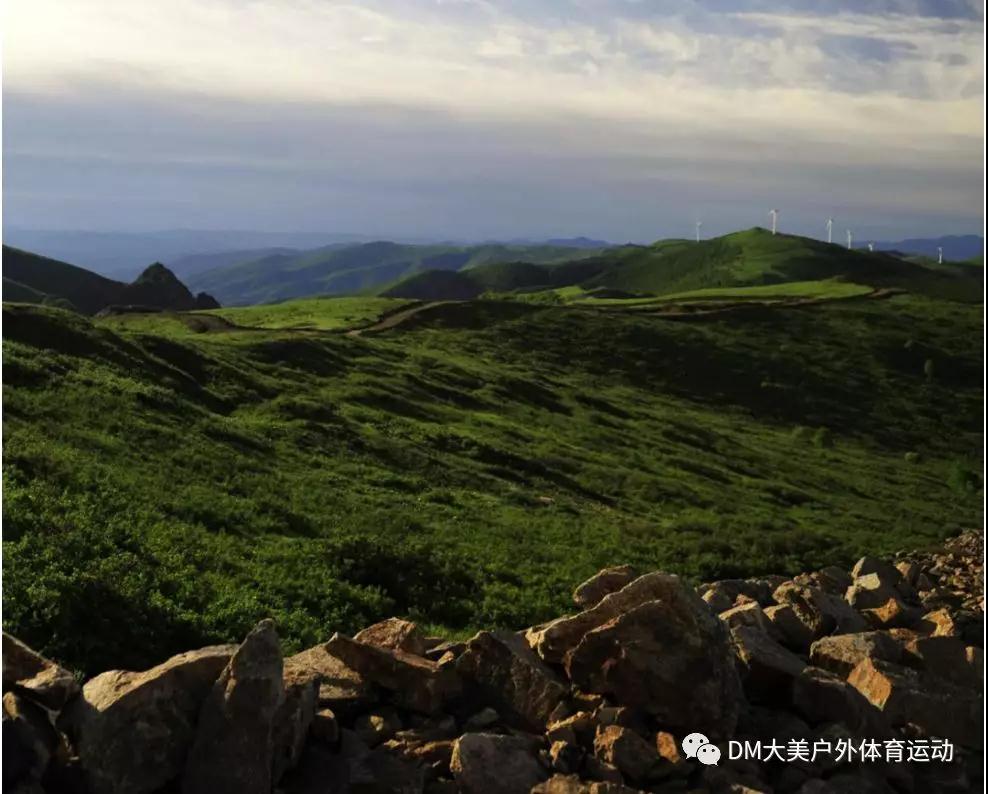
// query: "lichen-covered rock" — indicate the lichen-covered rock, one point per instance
point(414, 682)
point(133, 731)
point(841, 653)
point(603, 583)
point(500, 670)
point(234, 745)
point(670, 657)
point(44, 681)
point(396, 634)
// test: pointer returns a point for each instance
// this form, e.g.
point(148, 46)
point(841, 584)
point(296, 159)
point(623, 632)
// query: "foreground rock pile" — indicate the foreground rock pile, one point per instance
point(594, 702)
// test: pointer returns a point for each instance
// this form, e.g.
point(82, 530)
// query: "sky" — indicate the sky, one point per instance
point(627, 120)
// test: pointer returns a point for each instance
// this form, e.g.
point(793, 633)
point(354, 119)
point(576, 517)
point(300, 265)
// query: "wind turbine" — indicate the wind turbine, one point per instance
point(775, 218)
point(850, 239)
point(871, 247)
point(698, 225)
point(830, 230)
point(939, 255)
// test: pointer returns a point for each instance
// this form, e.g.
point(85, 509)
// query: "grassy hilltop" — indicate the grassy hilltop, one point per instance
point(170, 478)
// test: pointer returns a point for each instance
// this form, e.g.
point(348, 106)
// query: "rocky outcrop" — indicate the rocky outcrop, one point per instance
point(596, 702)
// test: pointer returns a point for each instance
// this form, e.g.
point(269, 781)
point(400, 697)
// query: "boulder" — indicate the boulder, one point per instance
point(938, 623)
point(947, 658)
point(791, 630)
point(576, 729)
point(234, 745)
point(886, 572)
point(29, 740)
point(832, 580)
point(870, 592)
point(671, 658)
point(325, 727)
point(892, 614)
point(718, 598)
point(566, 757)
point(626, 750)
point(556, 639)
point(607, 581)
point(907, 697)
point(396, 634)
point(749, 614)
point(416, 683)
point(820, 612)
point(821, 697)
point(292, 721)
point(500, 670)
point(133, 731)
point(768, 669)
point(841, 653)
point(340, 688)
point(484, 763)
point(44, 681)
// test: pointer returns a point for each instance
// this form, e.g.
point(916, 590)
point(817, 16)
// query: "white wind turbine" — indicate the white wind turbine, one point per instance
point(871, 247)
point(698, 225)
point(850, 239)
point(830, 230)
point(775, 218)
point(939, 255)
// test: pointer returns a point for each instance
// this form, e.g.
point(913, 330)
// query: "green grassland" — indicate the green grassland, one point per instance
point(357, 269)
point(324, 314)
point(167, 483)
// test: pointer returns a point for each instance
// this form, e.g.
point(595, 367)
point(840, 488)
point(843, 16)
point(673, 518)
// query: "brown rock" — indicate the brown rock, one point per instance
point(671, 658)
point(484, 718)
point(377, 727)
point(821, 697)
point(341, 688)
point(946, 657)
point(841, 653)
point(29, 740)
point(892, 614)
point(938, 623)
point(234, 744)
point(555, 639)
point(577, 728)
point(484, 763)
point(596, 769)
point(936, 708)
point(415, 683)
point(625, 750)
point(44, 681)
point(749, 614)
point(500, 670)
point(870, 592)
point(607, 581)
point(292, 721)
point(133, 731)
point(396, 634)
point(820, 612)
point(768, 668)
point(886, 572)
point(718, 597)
point(791, 630)
point(566, 757)
point(909, 571)
point(325, 726)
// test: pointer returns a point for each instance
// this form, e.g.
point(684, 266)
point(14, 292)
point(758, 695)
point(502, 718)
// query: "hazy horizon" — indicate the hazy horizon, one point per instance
point(474, 120)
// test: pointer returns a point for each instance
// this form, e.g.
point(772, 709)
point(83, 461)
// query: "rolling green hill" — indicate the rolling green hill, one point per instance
point(749, 258)
point(163, 488)
point(370, 267)
point(31, 278)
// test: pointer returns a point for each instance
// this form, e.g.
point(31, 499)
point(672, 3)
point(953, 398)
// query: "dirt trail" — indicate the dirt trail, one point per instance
point(396, 319)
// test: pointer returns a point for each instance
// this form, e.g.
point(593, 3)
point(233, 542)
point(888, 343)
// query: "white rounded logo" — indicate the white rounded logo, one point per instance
point(694, 742)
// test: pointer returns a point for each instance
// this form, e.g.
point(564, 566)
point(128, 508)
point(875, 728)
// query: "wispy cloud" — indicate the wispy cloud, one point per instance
point(676, 95)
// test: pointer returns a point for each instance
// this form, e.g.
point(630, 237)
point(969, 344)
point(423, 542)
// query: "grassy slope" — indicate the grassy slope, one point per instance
point(164, 490)
point(358, 268)
point(85, 290)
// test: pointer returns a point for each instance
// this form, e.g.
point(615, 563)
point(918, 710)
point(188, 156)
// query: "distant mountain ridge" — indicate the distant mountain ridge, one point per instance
point(955, 247)
point(748, 258)
point(31, 278)
point(369, 267)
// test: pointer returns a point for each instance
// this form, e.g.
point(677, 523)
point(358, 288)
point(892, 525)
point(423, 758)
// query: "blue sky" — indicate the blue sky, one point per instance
point(622, 119)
